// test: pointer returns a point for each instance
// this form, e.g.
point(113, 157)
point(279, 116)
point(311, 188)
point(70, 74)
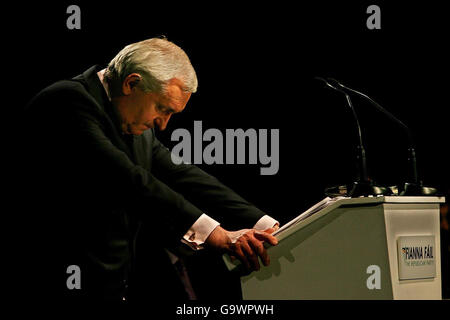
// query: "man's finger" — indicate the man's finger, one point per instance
point(250, 254)
point(273, 229)
point(241, 256)
point(258, 247)
point(264, 236)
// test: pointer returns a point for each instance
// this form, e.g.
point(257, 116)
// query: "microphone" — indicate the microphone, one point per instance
point(413, 187)
point(364, 186)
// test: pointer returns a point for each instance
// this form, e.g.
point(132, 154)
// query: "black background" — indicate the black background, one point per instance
point(255, 63)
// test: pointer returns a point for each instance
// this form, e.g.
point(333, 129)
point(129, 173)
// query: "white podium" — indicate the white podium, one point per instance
point(362, 248)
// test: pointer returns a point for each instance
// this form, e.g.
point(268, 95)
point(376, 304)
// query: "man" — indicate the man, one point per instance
point(100, 173)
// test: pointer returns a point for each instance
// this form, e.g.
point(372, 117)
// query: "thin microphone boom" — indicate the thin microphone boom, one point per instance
point(413, 186)
point(363, 187)
point(380, 108)
point(350, 104)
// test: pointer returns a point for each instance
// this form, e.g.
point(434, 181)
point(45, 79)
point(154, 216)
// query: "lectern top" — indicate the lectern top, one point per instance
point(329, 204)
point(412, 199)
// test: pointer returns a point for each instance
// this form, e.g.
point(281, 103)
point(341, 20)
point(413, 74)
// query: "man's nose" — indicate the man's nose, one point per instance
point(161, 122)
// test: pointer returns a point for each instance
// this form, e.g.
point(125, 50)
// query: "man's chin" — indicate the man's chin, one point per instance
point(139, 131)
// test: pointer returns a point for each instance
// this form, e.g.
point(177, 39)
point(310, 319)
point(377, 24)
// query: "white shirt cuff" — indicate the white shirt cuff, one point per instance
point(197, 234)
point(265, 222)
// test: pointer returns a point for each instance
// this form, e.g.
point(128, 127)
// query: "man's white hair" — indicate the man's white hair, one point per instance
point(157, 61)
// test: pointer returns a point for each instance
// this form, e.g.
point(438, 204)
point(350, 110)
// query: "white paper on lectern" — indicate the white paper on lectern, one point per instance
point(315, 208)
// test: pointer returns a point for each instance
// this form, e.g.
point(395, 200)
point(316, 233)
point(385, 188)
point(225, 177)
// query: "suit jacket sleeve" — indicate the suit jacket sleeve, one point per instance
point(205, 191)
point(82, 154)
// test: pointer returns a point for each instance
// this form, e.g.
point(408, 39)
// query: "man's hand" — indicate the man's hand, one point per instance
point(246, 244)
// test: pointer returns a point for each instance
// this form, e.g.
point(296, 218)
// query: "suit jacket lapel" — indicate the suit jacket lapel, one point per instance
point(95, 88)
point(138, 148)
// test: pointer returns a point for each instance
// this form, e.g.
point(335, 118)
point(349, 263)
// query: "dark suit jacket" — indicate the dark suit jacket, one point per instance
point(91, 188)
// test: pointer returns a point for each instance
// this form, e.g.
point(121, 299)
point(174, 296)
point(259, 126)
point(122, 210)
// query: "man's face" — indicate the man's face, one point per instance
point(141, 111)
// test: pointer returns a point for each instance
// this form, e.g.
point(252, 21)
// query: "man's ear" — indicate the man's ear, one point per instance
point(130, 82)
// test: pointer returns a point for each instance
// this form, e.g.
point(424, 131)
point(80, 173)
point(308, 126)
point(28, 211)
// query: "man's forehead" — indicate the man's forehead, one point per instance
point(174, 96)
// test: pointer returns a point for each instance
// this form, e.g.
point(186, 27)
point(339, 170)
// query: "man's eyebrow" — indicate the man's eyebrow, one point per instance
point(167, 108)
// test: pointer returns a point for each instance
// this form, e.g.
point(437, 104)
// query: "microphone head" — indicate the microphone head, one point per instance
point(327, 83)
point(335, 82)
point(320, 78)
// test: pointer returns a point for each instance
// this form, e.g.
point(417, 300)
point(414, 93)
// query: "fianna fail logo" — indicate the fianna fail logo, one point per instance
point(416, 257)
